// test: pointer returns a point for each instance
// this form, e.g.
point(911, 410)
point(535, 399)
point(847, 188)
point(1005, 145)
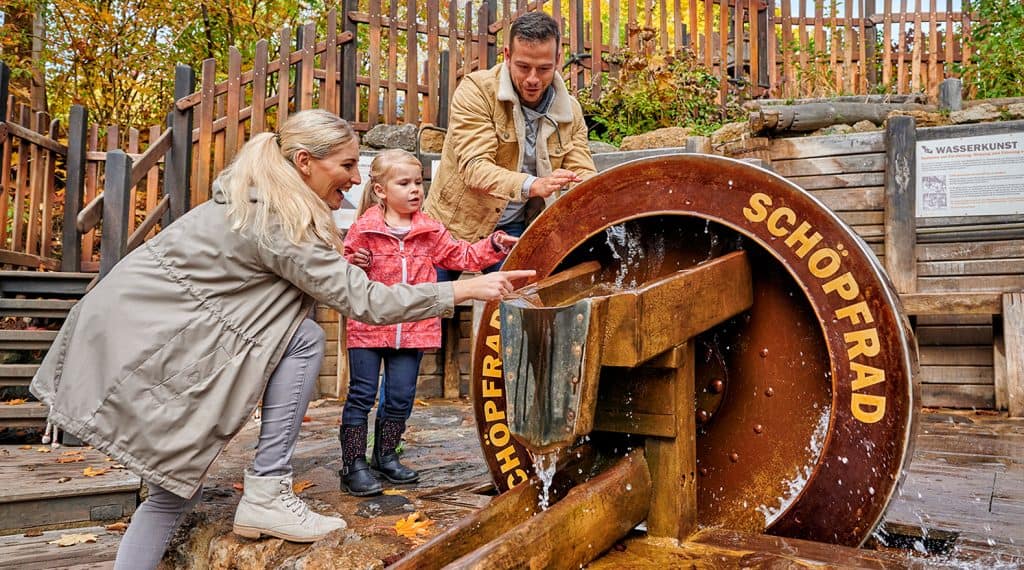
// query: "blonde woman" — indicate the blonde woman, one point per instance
point(161, 364)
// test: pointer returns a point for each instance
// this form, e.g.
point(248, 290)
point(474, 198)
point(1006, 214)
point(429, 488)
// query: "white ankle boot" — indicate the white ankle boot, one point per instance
point(270, 507)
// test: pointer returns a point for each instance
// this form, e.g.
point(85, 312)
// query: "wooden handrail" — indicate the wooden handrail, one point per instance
point(35, 138)
point(152, 219)
point(151, 157)
point(91, 214)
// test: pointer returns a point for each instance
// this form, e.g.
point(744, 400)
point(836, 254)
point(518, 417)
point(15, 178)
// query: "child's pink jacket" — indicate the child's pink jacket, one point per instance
point(410, 260)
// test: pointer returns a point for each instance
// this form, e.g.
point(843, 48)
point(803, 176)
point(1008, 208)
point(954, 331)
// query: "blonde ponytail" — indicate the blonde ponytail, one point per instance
point(264, 167)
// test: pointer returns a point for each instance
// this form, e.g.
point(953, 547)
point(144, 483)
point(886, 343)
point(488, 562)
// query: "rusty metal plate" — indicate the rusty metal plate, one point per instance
point(808, 397)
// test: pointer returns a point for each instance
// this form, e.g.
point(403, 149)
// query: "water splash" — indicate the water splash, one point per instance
point(796, 484)
point(544, 465)
point(624, 241)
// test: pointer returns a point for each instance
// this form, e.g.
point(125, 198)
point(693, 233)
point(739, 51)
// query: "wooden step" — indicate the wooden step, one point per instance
point(37, 552)
point(44, 283)
point(29, 414)
point(26, 339)
point(44, 308)
point(17, 374)
point(31, 496)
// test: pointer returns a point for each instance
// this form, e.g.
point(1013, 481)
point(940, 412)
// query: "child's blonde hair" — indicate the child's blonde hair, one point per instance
point(380, 168)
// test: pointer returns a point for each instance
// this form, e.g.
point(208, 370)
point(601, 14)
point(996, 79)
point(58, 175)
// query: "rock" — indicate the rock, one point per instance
point(1016, 110)
point(731, 132)
point(975, 114)
point(391, 136)
point(660, 138)
point(923, 118)
point(431, 141)
point(599, 147)
point(864, 126)
point(837, 129)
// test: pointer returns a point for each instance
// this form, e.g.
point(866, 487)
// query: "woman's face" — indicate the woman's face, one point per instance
point(333, 174)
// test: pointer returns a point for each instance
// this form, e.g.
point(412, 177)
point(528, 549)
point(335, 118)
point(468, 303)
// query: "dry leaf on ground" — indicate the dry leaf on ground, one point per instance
point(393, 492)
point(116, 527)
point(15, 402)
point(73, 539)
point(238, 486)
point(44, 450)
point(94, 471)
point(71, 459)
point(300, 486)
point(412, 527)
point(25, 447)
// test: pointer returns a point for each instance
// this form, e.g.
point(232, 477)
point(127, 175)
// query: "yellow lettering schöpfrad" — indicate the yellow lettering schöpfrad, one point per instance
point(867, 408)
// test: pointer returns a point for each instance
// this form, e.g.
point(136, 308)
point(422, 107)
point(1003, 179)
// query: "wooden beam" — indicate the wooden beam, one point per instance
point(975, 303)
point(673, 460)
point(596, 515)
point(1013, 339)
point(900, 228)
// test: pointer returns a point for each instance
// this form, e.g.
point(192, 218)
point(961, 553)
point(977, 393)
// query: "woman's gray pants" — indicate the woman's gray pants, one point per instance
point(284, 404)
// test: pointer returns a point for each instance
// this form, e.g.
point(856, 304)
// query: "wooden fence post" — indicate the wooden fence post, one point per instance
point(116, 206)
point(443, 96)
point(951, 94)
point(74, 190)
point(178, 166)
point(900, 225)
point(5, 82)
point(492, 48)
point(1013, 339)
point(347, 94)
point(577, 34)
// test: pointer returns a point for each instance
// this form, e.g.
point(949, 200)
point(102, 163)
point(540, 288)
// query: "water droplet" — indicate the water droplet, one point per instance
point(628, 487)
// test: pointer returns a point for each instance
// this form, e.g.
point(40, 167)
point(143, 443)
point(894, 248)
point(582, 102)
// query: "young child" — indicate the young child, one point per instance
point(394, 243)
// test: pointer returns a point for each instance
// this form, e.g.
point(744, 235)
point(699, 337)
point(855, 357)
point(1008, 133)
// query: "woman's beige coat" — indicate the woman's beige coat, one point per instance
point(163, 362)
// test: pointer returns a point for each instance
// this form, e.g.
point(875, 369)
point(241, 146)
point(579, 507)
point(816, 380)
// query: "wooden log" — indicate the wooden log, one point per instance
point(900, 229)
point(1013, 343)
point(588, 521)
point(813, 116)
point(502, 514)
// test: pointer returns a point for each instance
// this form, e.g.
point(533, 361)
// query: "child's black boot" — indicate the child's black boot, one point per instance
point(356, 477)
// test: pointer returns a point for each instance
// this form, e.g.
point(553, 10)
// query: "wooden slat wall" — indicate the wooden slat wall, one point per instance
point(845, 172)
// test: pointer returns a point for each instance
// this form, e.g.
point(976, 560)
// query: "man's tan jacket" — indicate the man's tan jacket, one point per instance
point(481, 162)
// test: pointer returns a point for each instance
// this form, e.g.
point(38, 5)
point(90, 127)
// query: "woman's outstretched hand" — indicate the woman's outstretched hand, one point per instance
point(490, 286)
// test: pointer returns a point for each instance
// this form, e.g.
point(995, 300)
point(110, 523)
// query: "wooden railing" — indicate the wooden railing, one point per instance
point(29, 153)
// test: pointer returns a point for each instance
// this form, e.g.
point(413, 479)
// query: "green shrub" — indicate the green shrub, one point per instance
point(651, 92)
point(996, 68)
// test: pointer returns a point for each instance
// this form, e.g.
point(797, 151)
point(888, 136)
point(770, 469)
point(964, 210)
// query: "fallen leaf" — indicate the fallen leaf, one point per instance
point(393, 492)
point(117, 527)
point(73, 539)
point(44, 450)
point(238, 486)
point(108, 459)
point(32, 533)
point(117, 466)
point(307, 419)
point(300, 486)
point(422, 403)
point(16, 402)
point(412, 527)
point(25, 447)
point(71, 459)
point(63, 479)
point(94, 471)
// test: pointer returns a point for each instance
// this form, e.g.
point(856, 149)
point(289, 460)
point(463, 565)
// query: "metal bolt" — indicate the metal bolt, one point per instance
point(571, 415)
point(769, 392)
point(703, 471)
point(577, 350)
point(508, 350)
point(703, 416)
point(716, 386)
point(764, 352)
point(579, 318)
point(758, 428)
point(734, 457)
point(510, 318)
point(575, 379)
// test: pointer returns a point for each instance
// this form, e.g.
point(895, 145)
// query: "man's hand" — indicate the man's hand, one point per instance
point(362, 258)
point(489, 286)
point(557, 180)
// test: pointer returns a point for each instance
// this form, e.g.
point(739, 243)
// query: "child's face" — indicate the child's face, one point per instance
point(402, 193)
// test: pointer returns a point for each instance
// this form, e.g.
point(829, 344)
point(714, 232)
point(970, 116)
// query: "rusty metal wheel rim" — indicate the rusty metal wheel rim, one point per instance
point(845, 495)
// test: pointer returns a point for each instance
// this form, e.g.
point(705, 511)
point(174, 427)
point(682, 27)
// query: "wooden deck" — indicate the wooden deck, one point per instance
point(963, 498)
point(37, 491)
point(966, 481)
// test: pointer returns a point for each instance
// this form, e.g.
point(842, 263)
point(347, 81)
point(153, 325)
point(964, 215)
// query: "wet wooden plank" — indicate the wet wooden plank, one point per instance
point(36, 552)
point(964, 396)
